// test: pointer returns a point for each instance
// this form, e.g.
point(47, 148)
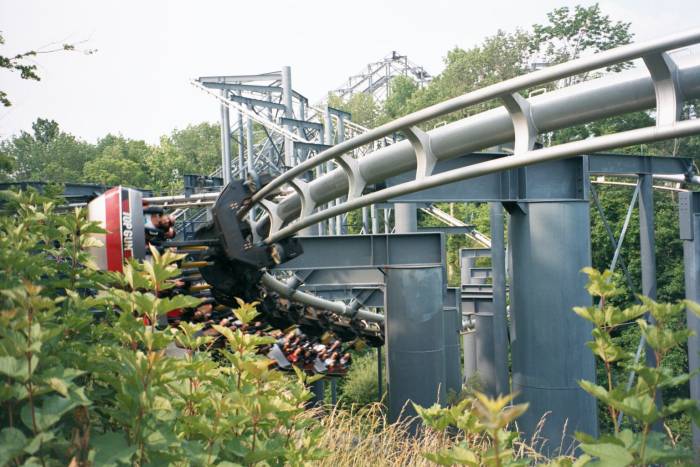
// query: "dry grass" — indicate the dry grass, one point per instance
point(365, 438)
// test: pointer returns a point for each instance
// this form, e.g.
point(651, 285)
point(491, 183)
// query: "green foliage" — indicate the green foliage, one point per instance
point(401, 91)
point(359, 387)
point(476, 417)
point(499, 57)
point(636, 444)
point(51, 155)
point(568, 34)
point(47, 154)
point(81, 391)
point(363, 108)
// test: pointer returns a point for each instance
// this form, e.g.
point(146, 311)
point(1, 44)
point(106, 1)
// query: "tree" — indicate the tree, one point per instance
point(18, 62)
point(497, 58)
point(568, 35)
point(402, 90)
point(48, 154)
point(200, 146)
point(363, 107)
point(120, 161)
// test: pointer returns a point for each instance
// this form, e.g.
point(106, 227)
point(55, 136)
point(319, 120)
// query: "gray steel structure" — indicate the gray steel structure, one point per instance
point(376, 78)
point(416, 325)
point(689, 219)
point(546, 197)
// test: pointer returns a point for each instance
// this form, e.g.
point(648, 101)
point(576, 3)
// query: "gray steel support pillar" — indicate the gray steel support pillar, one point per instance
point(241, 153)
point(328, 139)
point(484, 347)
point(341, 228)
point(689, 213)
point(375, 220)
point(414, 338)
point(380, 377)
point(647, 247)
point(405, 218)
point(318, 388)
point(647, 253)
point(550, 244)
point(251, 147)
point(452, 324)
point(288, 112)
point(498, 276)
point(225, 141)
point(469, 352)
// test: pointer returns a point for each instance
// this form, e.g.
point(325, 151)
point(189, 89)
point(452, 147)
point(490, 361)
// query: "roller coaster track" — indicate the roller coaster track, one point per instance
point(665, 85)
point(452, 221)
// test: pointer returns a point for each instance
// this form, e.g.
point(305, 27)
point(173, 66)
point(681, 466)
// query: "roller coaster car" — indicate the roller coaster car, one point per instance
point(120, 211)
point(231, 260)
point(240, 255)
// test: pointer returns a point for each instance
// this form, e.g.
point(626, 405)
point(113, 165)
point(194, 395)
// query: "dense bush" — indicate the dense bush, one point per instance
point(85, 382)
point(359, 387)
point(634, 411)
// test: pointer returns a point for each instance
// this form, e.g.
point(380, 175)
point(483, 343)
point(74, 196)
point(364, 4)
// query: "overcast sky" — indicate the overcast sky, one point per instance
point(147, 50)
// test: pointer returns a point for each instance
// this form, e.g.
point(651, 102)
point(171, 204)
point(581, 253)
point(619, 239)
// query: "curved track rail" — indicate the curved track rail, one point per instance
point(665, 85)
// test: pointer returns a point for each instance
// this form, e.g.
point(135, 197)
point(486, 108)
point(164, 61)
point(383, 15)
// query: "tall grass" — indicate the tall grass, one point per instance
point(365, 437)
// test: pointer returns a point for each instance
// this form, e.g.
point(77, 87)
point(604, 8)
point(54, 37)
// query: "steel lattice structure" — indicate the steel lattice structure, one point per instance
point(311, 192)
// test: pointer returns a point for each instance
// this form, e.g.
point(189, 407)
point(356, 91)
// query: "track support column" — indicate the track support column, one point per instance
point(498, 277)
point(225, 141)
point(550, 245)
point(405, 218)
point(414, 338)
point(689, 221)
point(452, 322)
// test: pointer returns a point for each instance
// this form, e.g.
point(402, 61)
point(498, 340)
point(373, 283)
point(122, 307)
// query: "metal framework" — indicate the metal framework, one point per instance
point(546, 197)
point(527, 119)
point(376, 78)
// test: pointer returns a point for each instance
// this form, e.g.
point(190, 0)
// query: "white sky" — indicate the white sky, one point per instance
point(137, 82)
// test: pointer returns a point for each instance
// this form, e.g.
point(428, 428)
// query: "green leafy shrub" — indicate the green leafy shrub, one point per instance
point(84, 391)
point(483, 437)
point(360, 386)
point(482, 422)
point(636, 443)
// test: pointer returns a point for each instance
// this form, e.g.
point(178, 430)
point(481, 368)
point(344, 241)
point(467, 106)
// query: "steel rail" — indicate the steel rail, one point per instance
point(616, 95)
point(600, 143)
point(632, 185)
point(248, 113)
point(272, 283)
point(507, 90)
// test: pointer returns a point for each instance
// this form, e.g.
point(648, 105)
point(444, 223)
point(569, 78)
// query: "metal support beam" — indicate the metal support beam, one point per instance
point(689, 221)
point(452, 322)
point(241, 150)
point(287, 97)
point(546, 284)
point(647, 252)
point(647, 248)
point(225, 142)
point(405, 218)
point(498, 281)
point(469, 354)
point(535, 182)
point(318, 388)
point(414, 339)
point(251, 102)
point(367, 251)
point(250, 142)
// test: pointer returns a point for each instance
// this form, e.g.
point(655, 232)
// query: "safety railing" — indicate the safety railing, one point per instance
point(662, 70)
